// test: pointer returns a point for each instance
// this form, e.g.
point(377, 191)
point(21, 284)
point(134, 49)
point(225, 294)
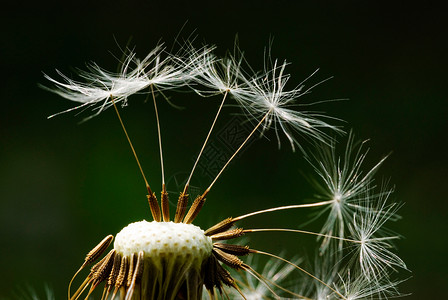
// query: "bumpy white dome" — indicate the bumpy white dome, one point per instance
point(164, 239)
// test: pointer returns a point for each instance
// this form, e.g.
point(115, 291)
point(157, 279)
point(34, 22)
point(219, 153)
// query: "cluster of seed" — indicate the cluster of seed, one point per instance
point(175, 260)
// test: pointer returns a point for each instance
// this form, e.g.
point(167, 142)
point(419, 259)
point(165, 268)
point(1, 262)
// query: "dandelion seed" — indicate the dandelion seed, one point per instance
point(220, 75)
point(373, 250)
point(267, 95)
point(343, 181)
point(261, 95)
point(135, 75)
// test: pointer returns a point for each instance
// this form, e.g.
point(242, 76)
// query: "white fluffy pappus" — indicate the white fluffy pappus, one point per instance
point(341, 183)
point(268, 99)
point(101, 88)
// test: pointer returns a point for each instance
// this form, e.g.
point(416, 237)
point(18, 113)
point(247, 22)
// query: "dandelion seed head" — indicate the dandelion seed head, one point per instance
point(161, 239)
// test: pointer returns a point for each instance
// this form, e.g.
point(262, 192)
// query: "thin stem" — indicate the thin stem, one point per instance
point(132, 147)
point(164, 203)
point(282, 208)
point(299, 268)
point(237, 150)
point(205, 142)
point(159, 134)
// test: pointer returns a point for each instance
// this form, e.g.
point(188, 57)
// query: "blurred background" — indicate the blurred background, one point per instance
point(65, 185)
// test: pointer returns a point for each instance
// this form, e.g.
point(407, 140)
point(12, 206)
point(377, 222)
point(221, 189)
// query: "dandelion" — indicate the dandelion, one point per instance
point(170, 257)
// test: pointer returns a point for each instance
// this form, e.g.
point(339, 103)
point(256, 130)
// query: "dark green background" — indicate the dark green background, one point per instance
point(64, 186)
